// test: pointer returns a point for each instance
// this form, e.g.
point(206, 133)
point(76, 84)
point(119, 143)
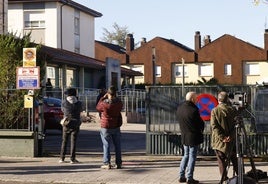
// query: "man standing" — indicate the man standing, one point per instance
point(223, 133)
point(49, 88)
point(72, 109)
point(192, 127)
point(110, 107)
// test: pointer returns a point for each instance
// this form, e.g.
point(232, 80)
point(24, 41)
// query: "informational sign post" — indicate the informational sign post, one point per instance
point(28, 77)
point(29, 57)
point(28, 101)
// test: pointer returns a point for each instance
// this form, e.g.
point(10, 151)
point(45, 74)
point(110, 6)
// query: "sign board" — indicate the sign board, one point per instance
point(28, 77)
point(29, 57)
point(28, 101)
point(205, 103)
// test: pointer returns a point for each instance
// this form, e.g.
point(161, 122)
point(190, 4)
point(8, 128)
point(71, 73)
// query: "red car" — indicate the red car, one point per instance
point(52, 113)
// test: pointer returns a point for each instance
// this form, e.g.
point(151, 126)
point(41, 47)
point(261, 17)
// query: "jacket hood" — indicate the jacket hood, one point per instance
point(71, 99)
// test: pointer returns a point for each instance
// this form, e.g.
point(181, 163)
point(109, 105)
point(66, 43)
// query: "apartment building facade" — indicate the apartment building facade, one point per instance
point(69, 28)
point(227, 59)
point(59, 24)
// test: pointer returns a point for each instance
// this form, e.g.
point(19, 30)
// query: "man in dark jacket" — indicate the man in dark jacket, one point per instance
point(192, 127)
point(71, 108)
point(110, 108)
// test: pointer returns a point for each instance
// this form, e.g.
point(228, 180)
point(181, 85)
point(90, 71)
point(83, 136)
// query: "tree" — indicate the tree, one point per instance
point(12, 113)
point(118, 36)
point(211, 81)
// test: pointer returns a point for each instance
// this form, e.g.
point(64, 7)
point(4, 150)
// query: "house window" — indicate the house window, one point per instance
point(227, 69)
point(34, 15)
point(51, 72)
point(252, 69)
point(137, 68)
point(76, 31)
point(205, 70)
point(178, 70)
point(77, 44)
point(34, 19)
point(76, 22)
point(158, 71)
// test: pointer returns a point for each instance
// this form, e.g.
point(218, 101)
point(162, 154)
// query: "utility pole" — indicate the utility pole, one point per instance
point(183, 78)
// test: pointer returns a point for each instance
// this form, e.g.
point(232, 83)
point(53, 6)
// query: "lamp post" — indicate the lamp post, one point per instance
point(153, 62)
point(183, 77)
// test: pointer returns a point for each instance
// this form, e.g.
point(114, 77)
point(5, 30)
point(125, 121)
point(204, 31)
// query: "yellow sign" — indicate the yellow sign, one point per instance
point(28, 101)
point(29, 57)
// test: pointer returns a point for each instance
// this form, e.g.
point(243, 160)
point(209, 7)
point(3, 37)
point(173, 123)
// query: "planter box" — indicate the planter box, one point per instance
point(18, 144)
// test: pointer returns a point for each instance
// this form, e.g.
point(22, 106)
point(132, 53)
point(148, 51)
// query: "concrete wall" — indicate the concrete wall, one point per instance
point(18, 144)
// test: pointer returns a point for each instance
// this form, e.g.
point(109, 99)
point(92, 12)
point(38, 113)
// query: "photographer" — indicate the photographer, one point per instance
point(223, 133)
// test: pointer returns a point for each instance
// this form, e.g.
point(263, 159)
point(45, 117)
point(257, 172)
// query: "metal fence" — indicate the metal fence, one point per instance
point(14, 116)
point(162, 128)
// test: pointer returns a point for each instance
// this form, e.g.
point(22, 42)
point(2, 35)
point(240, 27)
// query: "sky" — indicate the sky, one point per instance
point(180, 19)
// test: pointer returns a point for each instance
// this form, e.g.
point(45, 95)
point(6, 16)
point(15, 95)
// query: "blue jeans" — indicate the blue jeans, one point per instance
point(109, 136)
point(188, 161)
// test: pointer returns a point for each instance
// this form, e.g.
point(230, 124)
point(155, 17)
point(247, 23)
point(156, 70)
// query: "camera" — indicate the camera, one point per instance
point(238, 99)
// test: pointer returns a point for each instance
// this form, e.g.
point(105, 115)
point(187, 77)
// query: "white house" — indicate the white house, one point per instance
point(62, 24)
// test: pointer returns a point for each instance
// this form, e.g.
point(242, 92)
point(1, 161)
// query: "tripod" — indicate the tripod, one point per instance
point(240, 132)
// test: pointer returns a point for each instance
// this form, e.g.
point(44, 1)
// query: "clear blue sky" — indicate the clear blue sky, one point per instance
point(180, 19)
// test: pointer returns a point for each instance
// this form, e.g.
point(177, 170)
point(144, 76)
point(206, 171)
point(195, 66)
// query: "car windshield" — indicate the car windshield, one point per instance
point(52, 102)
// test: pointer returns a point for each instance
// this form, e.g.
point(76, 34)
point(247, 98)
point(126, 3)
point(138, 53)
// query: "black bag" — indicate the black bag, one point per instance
point(246, 180)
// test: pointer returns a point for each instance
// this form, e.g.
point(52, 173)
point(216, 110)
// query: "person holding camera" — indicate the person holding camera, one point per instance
point(223, 134)
point(110, 107)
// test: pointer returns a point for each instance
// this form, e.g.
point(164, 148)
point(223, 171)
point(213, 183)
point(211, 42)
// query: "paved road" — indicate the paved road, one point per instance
point(138, 168)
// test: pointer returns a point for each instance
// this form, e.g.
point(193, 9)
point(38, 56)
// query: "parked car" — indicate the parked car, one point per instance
point(52, 113)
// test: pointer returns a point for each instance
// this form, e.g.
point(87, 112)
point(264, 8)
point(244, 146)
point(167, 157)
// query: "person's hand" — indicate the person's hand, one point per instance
point(227, 139)
point(105, 96)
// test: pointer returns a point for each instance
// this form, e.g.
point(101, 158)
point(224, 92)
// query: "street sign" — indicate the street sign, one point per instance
point(29, 57)
point(28, 77)
point(28, 101)
point(205, 103)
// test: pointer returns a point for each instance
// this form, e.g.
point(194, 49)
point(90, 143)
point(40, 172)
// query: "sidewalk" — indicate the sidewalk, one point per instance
point(138, 168)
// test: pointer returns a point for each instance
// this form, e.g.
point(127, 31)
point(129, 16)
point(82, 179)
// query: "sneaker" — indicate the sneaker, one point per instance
point(118, 166)
point(192, 181)
point(61, 161)
point(182, 180)
point(74, 161)
point(106, 166)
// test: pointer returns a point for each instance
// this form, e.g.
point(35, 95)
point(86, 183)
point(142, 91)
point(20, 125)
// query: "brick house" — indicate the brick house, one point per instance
point(228, 59)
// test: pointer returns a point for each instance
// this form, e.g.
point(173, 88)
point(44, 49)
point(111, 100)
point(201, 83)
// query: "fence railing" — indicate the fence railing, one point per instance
point(163, 131)
point(20, 118)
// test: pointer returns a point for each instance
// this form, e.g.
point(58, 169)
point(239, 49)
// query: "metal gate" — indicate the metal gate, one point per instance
point(162, 128)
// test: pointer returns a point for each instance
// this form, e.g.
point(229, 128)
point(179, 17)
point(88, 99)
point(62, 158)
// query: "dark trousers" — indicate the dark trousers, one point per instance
point(223, 162)
point(66, 133)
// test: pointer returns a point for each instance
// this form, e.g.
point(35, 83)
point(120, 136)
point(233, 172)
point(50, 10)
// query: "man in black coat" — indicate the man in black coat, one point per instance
point(192, 127)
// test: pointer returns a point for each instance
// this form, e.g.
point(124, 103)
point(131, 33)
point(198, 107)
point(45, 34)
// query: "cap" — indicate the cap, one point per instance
point(70, 92)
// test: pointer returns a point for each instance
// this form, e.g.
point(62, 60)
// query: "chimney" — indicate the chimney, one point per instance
point(207, 39)
point(197, 41)
point(266, 39)
point(143, 41)
point(129, 43)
